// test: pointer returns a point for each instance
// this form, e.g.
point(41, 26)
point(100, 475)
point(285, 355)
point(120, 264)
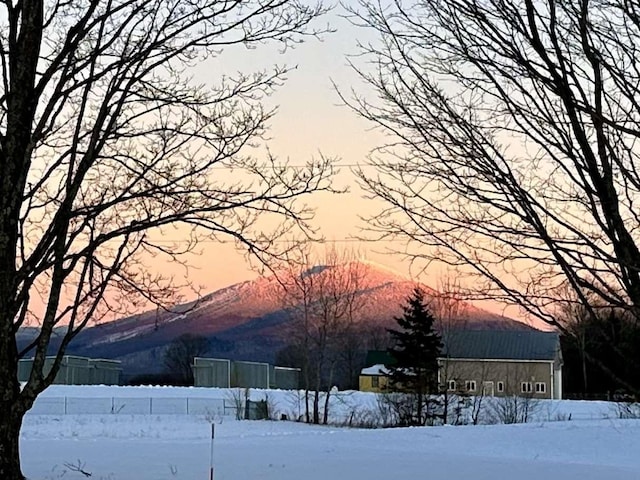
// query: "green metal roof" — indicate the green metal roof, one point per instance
point(490, 345)
point(501, 344)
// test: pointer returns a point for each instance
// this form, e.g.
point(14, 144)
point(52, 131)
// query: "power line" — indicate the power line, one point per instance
point(283, 165)
point(337, 240)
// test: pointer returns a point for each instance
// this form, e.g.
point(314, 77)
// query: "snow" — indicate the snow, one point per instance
point(175, 446)
point(384, 268)
point(220, 302)
point(375, 370)
point(127, 334)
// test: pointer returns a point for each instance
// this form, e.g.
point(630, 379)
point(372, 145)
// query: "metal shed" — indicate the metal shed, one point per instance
point(104, 372)
point(249, 374)
point(211, 372)
point(73, 370)
point(76, 370)
point(24, 369)
point(223, 373)
point(285, 378)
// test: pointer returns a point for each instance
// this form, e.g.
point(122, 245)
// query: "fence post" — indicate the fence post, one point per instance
point(150, 405)
point(187, 405)
point(213, 434)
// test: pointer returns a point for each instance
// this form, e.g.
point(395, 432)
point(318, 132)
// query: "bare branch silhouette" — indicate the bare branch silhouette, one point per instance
point(108, 147)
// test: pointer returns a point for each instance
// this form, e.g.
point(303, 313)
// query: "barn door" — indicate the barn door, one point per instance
point(487, 389)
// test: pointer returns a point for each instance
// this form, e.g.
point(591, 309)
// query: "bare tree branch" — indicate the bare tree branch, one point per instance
point(514, 144)
point(107, 144)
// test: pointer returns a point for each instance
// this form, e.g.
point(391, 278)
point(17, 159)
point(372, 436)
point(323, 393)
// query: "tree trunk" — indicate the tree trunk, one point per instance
point(307, 387)
point(318, 388)
point(12, 407)
point(325, 414)
point(316, 407)
point(420, 401)
point(9, 445)
point(584, 364)
point(445, 409)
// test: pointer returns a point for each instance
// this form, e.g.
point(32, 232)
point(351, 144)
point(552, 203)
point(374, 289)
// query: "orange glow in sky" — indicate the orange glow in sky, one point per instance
point(310, 121)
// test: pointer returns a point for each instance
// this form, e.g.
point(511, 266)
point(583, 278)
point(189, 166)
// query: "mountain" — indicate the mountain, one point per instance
point(247, 320)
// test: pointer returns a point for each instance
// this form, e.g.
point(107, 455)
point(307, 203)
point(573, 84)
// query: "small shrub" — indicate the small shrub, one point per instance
point(238, 399)
point(213, 416)
point(627, 410)
point(361, 419)
point(511, 409)
point(401, 409)
point(272, 413)
point(552, 415)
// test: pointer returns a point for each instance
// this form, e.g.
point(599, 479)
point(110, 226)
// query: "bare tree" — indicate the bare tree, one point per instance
point(451, 313)
point(109, 151)
point(297, 297)
point(351, 355)
point(574, 319)
point(516, 406)
point(323, 298)
point(179, 355)
point(612, 336)
point(478, 403)
point(514, 143)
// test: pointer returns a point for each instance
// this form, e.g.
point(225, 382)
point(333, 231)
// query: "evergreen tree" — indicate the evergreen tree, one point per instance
point(415, 355)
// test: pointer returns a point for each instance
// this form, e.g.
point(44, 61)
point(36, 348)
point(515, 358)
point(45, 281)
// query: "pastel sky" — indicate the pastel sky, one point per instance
point(311, 120)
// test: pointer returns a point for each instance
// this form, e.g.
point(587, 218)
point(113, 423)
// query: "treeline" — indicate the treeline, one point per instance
point(601, 356)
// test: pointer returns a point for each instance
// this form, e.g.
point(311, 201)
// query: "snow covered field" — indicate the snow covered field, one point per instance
point(161, 446)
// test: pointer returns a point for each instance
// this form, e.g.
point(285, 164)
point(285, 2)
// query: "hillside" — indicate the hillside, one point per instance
point(247, 321)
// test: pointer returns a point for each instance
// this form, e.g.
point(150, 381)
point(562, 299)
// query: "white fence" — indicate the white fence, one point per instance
point(132, 406)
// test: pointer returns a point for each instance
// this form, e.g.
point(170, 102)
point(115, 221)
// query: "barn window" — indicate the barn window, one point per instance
point(526, 387)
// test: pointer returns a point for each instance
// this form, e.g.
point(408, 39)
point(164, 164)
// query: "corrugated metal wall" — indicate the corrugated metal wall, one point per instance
point(211, 372)
point(249, 374)
point(286, 378)
point(104, 372)
point(223, 373)
point(76, 371)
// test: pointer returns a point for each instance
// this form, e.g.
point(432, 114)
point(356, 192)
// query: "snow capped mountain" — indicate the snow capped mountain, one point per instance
point(248, 320)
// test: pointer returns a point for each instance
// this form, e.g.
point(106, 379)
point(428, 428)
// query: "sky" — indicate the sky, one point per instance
point(310, 121)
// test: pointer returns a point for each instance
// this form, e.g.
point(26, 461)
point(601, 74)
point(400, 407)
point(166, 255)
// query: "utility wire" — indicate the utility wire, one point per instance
point(282, 165)
point(337, 240)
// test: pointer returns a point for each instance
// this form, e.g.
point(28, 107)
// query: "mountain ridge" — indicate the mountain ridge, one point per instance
point(248, 320)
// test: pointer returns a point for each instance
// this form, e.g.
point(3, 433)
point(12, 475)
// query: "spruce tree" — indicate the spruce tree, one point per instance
point(415, 355)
